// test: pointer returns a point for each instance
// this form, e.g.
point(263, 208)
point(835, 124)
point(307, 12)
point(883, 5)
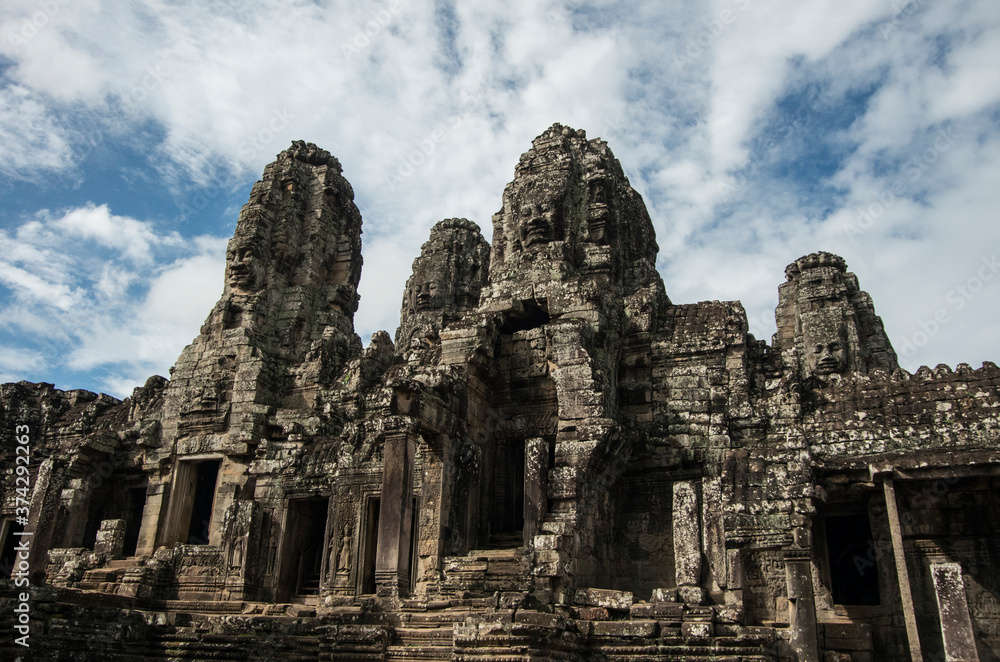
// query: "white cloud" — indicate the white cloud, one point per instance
point(127, 314)
point(684, 93)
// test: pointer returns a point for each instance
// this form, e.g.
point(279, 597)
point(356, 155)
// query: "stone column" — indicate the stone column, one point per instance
point(536, 470)
point(801, 605)
point(42, 515)
point(687, 542)
point(953, 609)
point(902, 574)
point(157, 494)
point(392, 562)
point(713, 532)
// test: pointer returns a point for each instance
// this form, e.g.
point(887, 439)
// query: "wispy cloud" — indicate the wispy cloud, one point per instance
point(87, 290)
point(757, 132)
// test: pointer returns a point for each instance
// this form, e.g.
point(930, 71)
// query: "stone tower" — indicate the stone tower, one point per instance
point(828, 320)
point(445, 284)
point(282, 330)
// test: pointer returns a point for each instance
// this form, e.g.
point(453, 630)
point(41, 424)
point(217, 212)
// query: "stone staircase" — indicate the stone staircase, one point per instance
point(467, 629)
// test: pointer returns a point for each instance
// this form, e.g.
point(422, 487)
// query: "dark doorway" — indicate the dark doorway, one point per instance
point(304, 540)
point(853, 564)
point(367, 580)
point(133, 519)
point(507, 521)
point(94, 519)
point(414, 523)
point(207, 473)
point(8, 556)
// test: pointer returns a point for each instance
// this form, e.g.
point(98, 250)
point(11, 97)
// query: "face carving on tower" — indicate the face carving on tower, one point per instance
point(539, 222)
point(426, 296)
point(598, 213)
point(242, 267)
point(825, 350)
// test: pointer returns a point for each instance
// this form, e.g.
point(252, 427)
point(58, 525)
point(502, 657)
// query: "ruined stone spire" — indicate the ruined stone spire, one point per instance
point(828, 320)
point(284, 324)
point(570, 216)
point(446, 282)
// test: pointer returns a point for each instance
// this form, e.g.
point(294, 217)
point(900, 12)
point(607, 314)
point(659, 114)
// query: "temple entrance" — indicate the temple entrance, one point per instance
point(305, 534)
point(853, 566)
point(205, 477)
point(366, 579)
point(507, 512)
point(192, 502)
point(133, 519)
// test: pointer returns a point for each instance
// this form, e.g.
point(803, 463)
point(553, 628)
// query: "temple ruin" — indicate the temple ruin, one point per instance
point(551, 460)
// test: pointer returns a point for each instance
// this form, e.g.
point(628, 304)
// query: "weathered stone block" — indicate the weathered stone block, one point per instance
point(110, 538)
point(664, 595)
point(624, 628)
point(696, 630)
point(599, 597)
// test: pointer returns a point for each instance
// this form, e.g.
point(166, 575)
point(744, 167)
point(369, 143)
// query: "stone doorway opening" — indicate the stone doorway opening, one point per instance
point(507, 504)
point(133, 519)
point(369, 545)
point(853, 565)
point(305, 536)
point(192, 502)
point(204, 477)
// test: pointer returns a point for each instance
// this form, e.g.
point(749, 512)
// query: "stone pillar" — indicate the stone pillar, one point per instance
point(110, 538)
point(687, 541)
point(156, 496)
point(902, 574)
point(713, 532)
point(392, 562)
point(41, 517)
point(953, 609)
point(801, 605)
point(536, 471)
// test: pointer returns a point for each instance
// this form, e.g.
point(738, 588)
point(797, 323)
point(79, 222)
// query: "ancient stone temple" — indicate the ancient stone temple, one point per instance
point(552, 461)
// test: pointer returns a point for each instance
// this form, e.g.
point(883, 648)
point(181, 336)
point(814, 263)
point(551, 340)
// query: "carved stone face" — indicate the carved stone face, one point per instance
point(426, 296)
point(538, 223)
point(825, 352)
point(241, 262)
point(597, 225)
point(598, 214)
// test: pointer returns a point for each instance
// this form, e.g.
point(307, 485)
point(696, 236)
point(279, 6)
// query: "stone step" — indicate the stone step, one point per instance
point(416, 653)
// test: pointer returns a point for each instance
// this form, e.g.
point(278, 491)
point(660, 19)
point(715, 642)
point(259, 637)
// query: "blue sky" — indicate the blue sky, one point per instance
point(757, 132)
